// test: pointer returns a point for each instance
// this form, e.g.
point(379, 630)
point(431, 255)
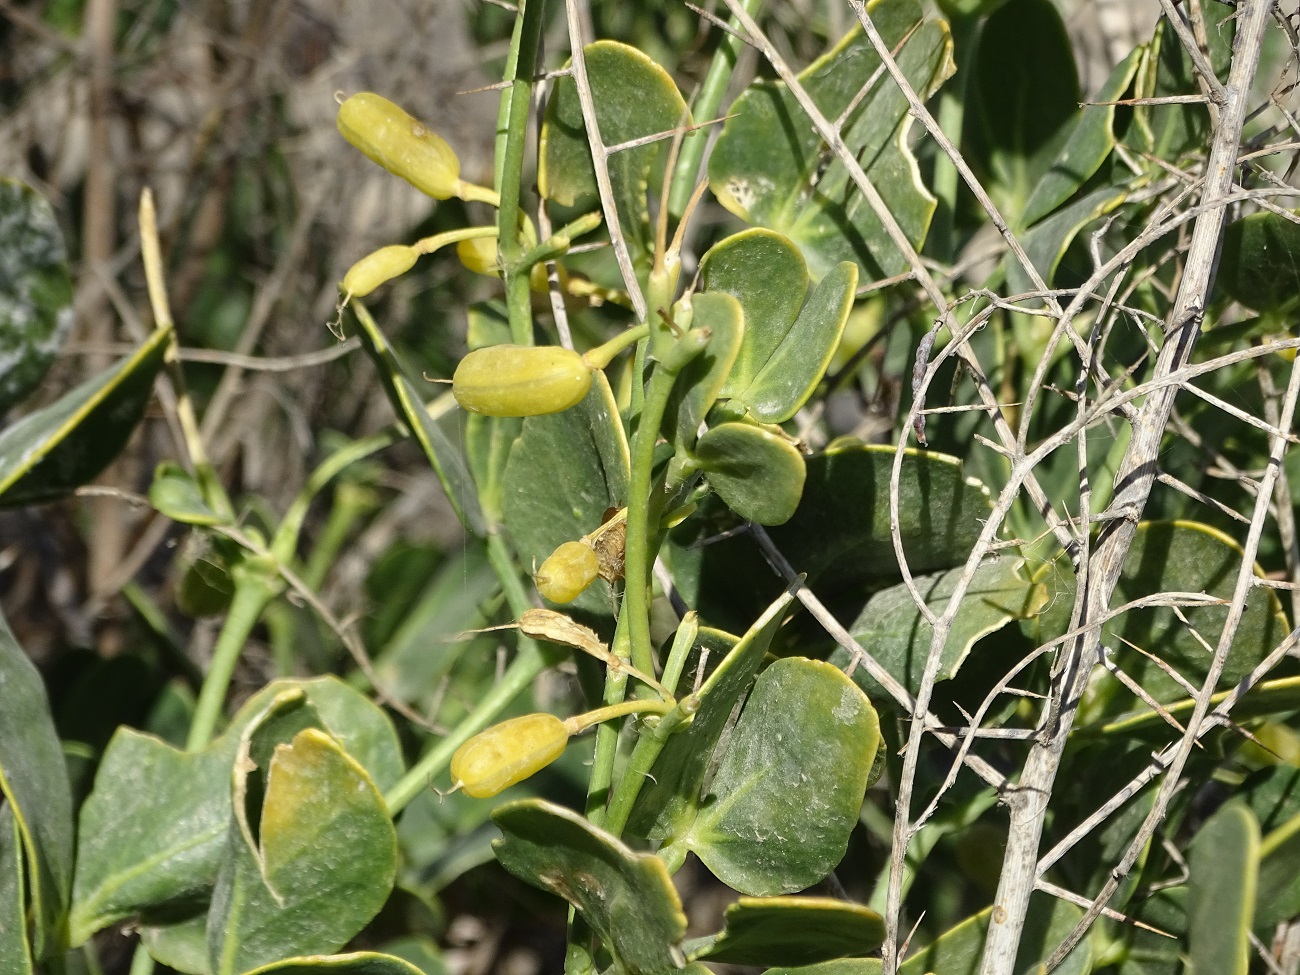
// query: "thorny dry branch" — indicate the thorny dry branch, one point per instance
point(1147, 406)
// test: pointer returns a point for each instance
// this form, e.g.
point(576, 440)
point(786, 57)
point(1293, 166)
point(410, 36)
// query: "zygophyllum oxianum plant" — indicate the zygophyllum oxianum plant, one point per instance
point(1002, 684)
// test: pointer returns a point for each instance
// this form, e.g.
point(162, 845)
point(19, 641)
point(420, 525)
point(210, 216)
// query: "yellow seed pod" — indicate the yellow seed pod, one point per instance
point(378, 268)
point(403, 145)
point(521, 380)
point(479, 254)
point(567, 572)
point(495, 759)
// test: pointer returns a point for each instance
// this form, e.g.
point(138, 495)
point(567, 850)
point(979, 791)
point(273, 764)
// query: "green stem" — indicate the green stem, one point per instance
point(581, 722)
point(255, 587)
point(285, 542)
point(559, 242)
point(516, 101)
point(647, 749)
point(602, 355)
point(602, 763)
point(141, 962)
point(427, 245)
point(530, 661)
point(704, 108)
point(684, 639)
point(636, 596)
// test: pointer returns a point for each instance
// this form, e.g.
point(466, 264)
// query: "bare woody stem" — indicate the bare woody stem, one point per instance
point(1133, 483)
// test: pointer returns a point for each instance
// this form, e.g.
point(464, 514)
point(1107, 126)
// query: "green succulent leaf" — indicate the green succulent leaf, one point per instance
point(791, 931)
point(1223, 867)
point(1266, 699)
point(35, 290)
point(62, 446)
point(634, 97)
point(1277, 894)
point(898, 635)
point(798, 363)
point(15, 949)
point(628, 898)
point(789, 788)
point(1047, 242)
point(701, 382)
point(788, 341)
point(1046, 924)
point(1177, 556)
point(758, 473)
point(671, 797)
point(565, 471)
point(1092, 138)
point(154, 829)
point(1024, 93)
point(840, 535)
point(322, 858)
point(1171, 130)
point(177, 495)
point(767, 274)
point(34, 785)
point(182, 945)
point(354, 963)
point(1259, 264)
point(447, 460)
point(770, 167)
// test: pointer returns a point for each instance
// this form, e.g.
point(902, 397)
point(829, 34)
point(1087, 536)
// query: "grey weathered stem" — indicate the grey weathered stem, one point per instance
point(1028, 804)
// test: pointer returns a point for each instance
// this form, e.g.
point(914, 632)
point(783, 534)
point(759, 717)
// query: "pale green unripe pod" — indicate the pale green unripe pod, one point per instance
point(495, 759)
point(378, 268)
point(403, 145)
point(521, 380)
point(567, 572)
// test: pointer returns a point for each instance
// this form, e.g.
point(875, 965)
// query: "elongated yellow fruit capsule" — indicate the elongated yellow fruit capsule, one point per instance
point(379, 267)
point(521, 380)
point(403, 145)
point(567, 572)
point(479, 255)
point(495, 759)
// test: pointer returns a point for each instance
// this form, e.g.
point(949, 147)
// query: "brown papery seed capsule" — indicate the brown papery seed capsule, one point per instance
point(521, 380)
point(378, 268)
point(567, 572)
point(403, 145)
point(495, 759)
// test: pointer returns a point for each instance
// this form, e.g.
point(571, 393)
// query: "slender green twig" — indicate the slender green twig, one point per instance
point(286, 536)
point(521, 67)
point(705, 106)
point(647, 749)
point(640, 488)
point(255, 586)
